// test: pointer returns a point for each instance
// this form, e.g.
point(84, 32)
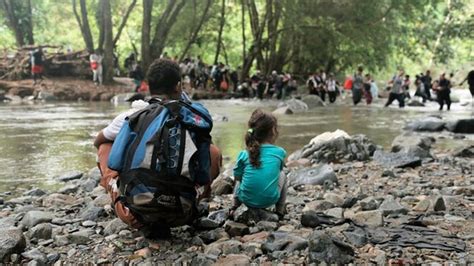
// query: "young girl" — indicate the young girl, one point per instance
point(259, 180)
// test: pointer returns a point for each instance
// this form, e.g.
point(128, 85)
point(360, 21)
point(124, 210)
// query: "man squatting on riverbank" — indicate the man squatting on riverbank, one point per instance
point(163, 193)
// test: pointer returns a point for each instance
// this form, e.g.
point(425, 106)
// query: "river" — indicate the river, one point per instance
point(41, 141)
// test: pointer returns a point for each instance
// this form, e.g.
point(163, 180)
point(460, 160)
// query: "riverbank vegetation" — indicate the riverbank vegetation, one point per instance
point(284, 35)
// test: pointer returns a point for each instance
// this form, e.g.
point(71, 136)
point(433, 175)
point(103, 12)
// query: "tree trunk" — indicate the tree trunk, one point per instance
point(146, 26)
point(8, 7)
point(196, 31)
point(219, 36)
point(84, 24)
point(124, 21)
point(29, 25)
point(244, 48)
point(275, 13)
point(166, 22)
point(108, 62)
point(101, 25)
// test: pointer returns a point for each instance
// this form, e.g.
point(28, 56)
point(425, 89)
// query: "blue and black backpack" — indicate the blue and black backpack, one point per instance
point(161, 152)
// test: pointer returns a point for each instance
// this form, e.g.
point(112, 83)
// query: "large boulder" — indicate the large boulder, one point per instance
point(412, 144)
point(313, 176)
point(396, 160)
point(11, 241)
point(324, 247)
point(336, 146)
point(313, 101)
point(33, 218)
point(464, 126)
point(430, 123)
point(293, 106)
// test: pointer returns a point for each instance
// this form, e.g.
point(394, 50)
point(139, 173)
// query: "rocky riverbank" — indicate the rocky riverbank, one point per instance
point(348, 202)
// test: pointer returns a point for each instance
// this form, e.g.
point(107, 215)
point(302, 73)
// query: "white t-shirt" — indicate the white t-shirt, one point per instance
point(112, 130)
point(331, 85)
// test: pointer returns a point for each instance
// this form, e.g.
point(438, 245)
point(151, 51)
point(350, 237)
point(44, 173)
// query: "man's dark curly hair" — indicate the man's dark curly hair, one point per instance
point(163, 75)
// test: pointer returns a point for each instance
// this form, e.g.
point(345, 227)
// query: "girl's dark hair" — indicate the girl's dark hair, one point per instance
point(262, 126)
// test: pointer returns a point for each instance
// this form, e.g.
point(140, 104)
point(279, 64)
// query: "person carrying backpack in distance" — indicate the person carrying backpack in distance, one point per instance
point(152, 158)
point(259, 180)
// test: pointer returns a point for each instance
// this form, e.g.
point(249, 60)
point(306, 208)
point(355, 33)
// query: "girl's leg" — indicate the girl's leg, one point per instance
point(236, 202)
point(280, 206)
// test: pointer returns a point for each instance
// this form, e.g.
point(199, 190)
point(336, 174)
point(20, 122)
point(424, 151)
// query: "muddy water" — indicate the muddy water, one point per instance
point(39, 142)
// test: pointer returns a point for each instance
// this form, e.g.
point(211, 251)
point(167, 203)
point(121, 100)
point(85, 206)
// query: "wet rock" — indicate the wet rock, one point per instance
point(392, 206)
point(7, 222)
point(206, 223)
point(58, 200)
point(81, 237)
point(41, 231)
point(413, 145)
point(35, 192)
point(88, 185)
point(310, 219)
point(33, 218)
point(236, 229)
point(203, 260)
point(388, 173)
point(36, 255)
point(267, 226)
point(313, 101)
point(255, 238)
point(224, 247)
point(415, 103)
point(251, 216)
point(318, 205)
point(70, 176)
point(219, 216)
point(114, 227)
point(296, 106)
point(222, 185)
point(233, 259)
point(283, 241)
point(102, 200)
point(284, 110)
point(69, 189)
point(369, 203)
point(467, 152)
point(439, 205)
point(336, 146)
point(11, 241)
point(53, 257)
point(396, 160)
point(464, 126)
point(312, 176)
point(422, 206)
point(144, 252)
point(213, 235)
point(370, 218)
point(324, 247)
point(426, 124)
point(92, 213)
point(335, 212)
point(335, 199)
point(356, 236)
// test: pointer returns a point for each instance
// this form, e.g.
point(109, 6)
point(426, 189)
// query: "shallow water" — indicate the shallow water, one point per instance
point(41, 141)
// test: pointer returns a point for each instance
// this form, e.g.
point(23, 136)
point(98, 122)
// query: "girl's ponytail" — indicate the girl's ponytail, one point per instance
point(262, 127)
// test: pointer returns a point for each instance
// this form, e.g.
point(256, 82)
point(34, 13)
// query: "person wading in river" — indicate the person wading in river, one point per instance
point(470, 82)
point(443, 91)
point(396, 92)
point(357, 85)
point(154, 156)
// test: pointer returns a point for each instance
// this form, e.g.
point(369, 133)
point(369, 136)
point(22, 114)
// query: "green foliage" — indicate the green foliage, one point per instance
point(336, 35)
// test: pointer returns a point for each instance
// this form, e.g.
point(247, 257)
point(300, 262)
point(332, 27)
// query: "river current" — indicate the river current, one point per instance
point(41, 141)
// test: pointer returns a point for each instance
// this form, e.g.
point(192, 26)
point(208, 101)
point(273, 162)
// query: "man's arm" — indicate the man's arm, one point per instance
point(101, 139)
